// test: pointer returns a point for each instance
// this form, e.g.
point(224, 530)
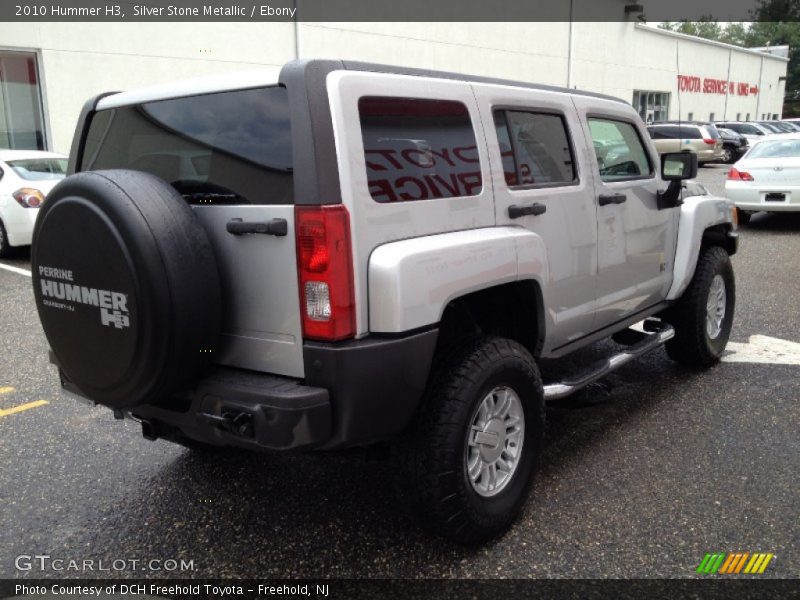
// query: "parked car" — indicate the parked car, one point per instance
point(776, 126)
point(363, 254)
point(734, 145)
point(26, 176)
point(789, 126)
point(767, 178)
point(702, 139)
point(752, 131)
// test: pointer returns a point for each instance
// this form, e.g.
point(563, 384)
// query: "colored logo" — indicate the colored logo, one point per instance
point(734, 563)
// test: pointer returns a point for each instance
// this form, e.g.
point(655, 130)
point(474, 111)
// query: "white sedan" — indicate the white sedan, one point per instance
point(767, 178)
point(26, 176)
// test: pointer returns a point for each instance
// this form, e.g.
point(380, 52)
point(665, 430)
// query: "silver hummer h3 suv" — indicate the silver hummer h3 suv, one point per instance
point(337, 254)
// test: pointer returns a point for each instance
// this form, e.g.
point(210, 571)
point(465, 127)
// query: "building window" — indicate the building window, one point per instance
point(21, 122)
point(711, 117)
point(690, 116)
point(651, 106)
point(738, 116)
point(747, 118)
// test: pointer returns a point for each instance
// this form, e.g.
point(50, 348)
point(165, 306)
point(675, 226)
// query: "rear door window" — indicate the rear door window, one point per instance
point(418, 149)
point(535, 148)
point(223, 148)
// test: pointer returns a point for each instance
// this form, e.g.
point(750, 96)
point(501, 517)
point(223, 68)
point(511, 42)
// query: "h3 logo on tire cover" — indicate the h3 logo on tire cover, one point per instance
point(113, 305)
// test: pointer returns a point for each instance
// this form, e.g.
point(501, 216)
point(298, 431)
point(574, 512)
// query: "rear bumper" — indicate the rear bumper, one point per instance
point(709, 155)
point(355, 393)
point(754, 198)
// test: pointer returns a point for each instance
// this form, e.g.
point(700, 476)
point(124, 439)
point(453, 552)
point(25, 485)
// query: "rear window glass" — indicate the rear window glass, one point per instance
point(223, 148)
point(418, 149)
point(37, 169)
point(776, 149)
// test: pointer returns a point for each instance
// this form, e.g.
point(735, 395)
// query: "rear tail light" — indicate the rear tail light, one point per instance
point(736, 175)
point(710, 141)
point(28, 197)
point(325, 272)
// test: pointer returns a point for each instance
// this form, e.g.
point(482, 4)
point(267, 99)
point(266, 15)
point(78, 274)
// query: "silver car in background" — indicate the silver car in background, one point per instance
point(767, 178)
point(701, 138)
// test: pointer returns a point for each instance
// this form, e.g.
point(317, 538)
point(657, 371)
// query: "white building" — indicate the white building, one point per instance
point(47, 70)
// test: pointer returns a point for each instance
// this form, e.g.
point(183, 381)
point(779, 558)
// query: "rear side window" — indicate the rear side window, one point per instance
point(223, 148)
point(620, 152)
point(418, 149)
point(664, 133)
point(535, 148)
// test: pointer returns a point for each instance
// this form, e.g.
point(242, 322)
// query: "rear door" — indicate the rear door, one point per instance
point(411, 161)
point(636, 241)
point(537, 152)
point(229, 154)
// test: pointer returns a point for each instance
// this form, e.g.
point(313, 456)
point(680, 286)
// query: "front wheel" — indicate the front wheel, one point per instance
point(468, 462)
point(703, 316)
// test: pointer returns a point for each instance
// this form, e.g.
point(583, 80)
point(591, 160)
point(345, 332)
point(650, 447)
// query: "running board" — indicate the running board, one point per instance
point(651, 341)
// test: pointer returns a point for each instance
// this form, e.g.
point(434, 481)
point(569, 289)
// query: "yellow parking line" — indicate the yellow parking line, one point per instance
point(6, 390)
point(22, 407)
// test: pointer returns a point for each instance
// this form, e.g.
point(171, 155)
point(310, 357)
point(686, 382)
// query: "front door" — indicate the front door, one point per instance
point(636, 240)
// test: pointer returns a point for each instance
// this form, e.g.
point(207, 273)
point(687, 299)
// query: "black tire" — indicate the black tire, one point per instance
point(5, 245)
point(693, 345)
point(728, 155)
point(433, 460)
point(126, 285)
point(743, 216)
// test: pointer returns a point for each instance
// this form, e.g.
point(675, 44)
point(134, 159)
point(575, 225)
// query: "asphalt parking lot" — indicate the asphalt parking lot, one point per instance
point(640, 481)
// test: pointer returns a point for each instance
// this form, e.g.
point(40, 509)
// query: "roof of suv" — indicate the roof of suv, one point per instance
point(271, 76)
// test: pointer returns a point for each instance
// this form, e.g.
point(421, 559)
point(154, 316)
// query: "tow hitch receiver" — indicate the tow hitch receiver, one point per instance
point(238, 423)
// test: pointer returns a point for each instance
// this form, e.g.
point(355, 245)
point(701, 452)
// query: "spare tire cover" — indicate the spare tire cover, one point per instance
point(126, 285)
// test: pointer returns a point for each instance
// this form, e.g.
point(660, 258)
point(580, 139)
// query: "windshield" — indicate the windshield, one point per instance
point(776, 149)
point(34, 169)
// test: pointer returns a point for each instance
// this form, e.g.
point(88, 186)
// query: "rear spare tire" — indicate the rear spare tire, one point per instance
point(126, 285)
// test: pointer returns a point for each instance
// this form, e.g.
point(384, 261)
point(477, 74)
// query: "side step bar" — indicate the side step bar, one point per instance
point(651, 341)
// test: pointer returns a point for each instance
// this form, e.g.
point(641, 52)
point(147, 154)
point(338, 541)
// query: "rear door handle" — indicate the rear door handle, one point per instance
point(606, 199)
point(277, 227)
point(514, 211)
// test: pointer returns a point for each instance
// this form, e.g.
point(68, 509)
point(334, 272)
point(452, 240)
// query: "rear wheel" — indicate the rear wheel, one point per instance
point(5, 246)
point(727, 155)
point(469, 461)
point(704, 314)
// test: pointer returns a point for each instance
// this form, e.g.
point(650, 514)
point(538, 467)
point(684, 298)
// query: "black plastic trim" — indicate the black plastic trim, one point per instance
point(316, 171)
point(282, 414)
point(81, 129)
point(375, 383)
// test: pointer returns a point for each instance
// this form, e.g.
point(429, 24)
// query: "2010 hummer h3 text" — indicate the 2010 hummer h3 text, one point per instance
point(337, 254)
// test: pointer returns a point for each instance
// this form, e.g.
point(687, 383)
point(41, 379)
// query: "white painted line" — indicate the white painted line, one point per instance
point(764, 350)
point(16, 270)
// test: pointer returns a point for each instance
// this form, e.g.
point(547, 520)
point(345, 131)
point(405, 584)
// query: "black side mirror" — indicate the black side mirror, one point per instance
point(677, 166)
